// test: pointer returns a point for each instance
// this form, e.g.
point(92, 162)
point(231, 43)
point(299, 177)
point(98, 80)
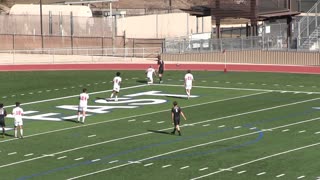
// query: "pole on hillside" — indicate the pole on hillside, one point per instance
point(225, 60)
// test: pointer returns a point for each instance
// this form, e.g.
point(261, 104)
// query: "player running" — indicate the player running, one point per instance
point(160, 69)
point(17, 113)
point(175, 116)
point(116, 86)
point(3, 114)
point(83, 103)
point(150, 72)
point(188, 79)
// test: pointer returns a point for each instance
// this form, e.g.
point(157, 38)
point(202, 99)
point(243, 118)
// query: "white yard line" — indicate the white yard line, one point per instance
point(280, 175)
point(28, 154)
point(185, 167)
point(209, 143)
point(149, 164)
point(241, 89)
point(62, 157)
point(241, 172)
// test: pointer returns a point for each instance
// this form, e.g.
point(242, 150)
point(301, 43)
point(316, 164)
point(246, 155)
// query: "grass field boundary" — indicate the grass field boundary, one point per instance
point(133, 116)
point(213, 142)
point(241, 89)
point(127, 137)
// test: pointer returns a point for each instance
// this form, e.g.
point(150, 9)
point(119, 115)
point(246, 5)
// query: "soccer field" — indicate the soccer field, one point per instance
point(239, 126)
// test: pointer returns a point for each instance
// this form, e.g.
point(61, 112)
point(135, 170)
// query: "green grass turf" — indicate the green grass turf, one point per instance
point(241, 126)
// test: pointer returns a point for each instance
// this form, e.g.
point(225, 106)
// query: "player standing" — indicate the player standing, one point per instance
point(160, 68)
point(83, 103)
point(150, 72)
point(175, 116)
point(116, 86)
point(188, 79)
point(17, 113)
point(3, 113)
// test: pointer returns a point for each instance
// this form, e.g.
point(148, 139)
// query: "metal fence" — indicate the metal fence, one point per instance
point(80, 55)
point(236, 44)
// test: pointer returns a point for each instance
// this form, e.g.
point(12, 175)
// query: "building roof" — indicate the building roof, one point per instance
point(34, 9)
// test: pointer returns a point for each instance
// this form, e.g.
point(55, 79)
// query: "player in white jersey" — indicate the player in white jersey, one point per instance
point(116, 86)
point(150, 72)
point(188, 79)
point(83, 103)
point(17, 113)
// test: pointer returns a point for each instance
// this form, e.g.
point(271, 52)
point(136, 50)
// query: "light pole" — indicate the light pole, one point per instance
point(41, 24)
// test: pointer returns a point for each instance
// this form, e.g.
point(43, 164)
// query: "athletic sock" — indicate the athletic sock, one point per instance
point(83, 118)
point(78, 117)
point(116, 99)
point(15, 133)
point(21, 132)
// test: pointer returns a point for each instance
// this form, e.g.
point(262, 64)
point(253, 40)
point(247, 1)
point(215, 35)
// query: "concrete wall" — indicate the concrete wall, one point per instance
point(162, 26)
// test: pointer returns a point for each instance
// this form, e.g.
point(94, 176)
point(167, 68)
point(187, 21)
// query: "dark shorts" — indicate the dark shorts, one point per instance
point(176, 122)
point(2, 123)
point(160, 71)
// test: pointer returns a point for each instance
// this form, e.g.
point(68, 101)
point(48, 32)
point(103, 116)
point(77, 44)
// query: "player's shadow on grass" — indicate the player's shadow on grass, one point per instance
point(177, 97)
point(8, 135)
point(159, 132)
point(142, 81)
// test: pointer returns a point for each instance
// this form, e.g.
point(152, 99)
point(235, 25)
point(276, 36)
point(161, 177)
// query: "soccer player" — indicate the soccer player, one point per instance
point(3, 113)
point(83, 103)
point(150, 72)
point(188, 79)
point(17, 113)
point(116, 86)
point(160, 69)
point(175, 116)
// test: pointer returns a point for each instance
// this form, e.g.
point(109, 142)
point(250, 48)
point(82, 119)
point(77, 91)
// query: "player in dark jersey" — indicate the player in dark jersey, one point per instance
point(160, 68)
point(175, 115)
point(3, 113)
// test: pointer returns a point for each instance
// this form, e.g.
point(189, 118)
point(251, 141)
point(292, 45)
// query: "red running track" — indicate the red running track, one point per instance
point(199, 67)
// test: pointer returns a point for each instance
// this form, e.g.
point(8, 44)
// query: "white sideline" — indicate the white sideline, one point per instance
point(242, 89)
point(208, 143)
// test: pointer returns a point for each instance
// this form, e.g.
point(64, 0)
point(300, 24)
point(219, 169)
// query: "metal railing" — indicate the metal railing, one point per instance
point(83, 55)
point(235, 44)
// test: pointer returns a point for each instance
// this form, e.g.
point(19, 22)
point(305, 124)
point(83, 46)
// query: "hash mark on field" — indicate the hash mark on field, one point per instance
point(131, 120)
point(150, 164)
point(276, 84)
point(314, 86)
point(280, 175)
point(56, 89)
point(253, 128)
point(22, 94)
point(93, 135)
point(62, 157)
point(65, 88)
point(302, 131)
point(301, 86)
point(252, 83)
point(160, 122)
point(241, 172)
point(48, 90)
point(262, 173)
point(134, 78)
point(165, 166)
point(95, 160)
point(317, 132)
point(185, 167)
point(26, 155)
point(285, 130)
point(111, 162)
point(204, 81)
point(264, 84)
point(222, 126)
point(205, 125)
point(30, 92)
point(300, 177)
point(227, 82)
point(237, 127)
point(78, 159)
point(169, 79)
point(202, 169)
point(39, 92)
point(216, 81)
point(239, 83)
point(9, 154)
point(88, 84)
point(146, 121)
point(72, 87)
point(13, 95)
point(104, 82)
point(4, 97)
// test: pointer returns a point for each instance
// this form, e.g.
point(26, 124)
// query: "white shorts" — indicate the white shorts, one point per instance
point(188, 87)
point(18, 122)
point(116, 88)
point(150, 79)
point(82, 108)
